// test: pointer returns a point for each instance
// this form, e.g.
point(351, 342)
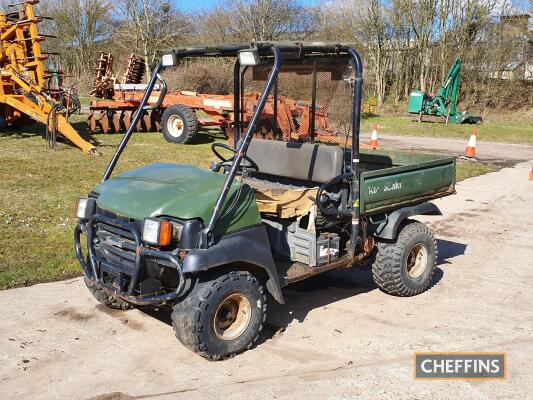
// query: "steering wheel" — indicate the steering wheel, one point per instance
point(229, 161)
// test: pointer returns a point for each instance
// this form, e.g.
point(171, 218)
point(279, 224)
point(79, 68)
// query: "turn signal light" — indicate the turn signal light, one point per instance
point(165, 233)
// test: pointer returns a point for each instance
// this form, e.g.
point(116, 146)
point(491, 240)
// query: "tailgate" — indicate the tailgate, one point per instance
point(428, 177)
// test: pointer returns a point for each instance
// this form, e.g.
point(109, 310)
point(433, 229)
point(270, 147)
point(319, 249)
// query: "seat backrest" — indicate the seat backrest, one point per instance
point(302, 161)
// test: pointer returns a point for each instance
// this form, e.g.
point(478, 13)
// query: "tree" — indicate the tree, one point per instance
point(377, 29)
point(146, 27)
point(423, 24)
point(364, 22)
point(256, 20)
point(403, 54)
point(79, 25)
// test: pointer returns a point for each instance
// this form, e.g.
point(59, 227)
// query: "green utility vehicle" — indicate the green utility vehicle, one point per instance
point(212, 243)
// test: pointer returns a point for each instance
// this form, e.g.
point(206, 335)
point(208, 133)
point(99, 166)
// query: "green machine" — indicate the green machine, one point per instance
point(445, 102)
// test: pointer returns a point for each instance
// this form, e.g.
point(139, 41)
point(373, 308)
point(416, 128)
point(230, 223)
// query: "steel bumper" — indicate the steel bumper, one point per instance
point(92, 264)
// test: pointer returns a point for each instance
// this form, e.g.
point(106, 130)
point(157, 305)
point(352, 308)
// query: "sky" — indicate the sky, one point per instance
point(199, 5)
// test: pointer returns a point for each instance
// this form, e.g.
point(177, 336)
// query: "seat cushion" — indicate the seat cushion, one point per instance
point(286, 204)
point(302, 161)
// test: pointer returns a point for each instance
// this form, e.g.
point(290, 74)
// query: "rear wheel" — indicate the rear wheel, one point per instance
point(222, 316)
point(405, 266)
point(109, 300)
point(179, 124)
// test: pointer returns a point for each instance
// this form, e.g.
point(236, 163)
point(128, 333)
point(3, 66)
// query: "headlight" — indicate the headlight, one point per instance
point(157, 232)
point(85, 208)
point(249, 57)
point(169, 60)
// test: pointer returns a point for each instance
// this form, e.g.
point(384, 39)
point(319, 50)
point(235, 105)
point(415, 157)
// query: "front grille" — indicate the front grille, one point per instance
point(114, 245)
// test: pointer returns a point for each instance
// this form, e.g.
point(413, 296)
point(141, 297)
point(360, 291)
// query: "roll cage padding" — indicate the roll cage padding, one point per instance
point(302, 161)
point(247, 247)
point(388, 228)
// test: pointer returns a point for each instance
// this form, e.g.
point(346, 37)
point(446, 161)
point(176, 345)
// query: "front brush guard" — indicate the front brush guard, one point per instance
point(91, 269)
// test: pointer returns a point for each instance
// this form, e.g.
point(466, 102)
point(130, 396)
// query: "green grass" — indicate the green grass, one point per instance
point(85, 100)
point(512, 130)
point(39, 189)
point(467, 169)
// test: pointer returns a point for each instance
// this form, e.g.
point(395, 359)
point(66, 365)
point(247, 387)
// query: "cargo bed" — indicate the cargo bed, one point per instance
point(390, 179)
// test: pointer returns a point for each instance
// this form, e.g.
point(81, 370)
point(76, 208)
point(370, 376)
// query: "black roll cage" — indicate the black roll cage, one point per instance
point(277, 53)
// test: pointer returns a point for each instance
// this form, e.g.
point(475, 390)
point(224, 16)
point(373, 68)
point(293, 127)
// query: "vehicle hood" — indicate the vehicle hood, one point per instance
point(182, 191)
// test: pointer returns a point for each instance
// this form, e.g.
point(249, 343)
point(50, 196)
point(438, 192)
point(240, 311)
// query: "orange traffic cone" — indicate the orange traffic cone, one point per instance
point(531, 174)
point(374, 138)
point(470, 150)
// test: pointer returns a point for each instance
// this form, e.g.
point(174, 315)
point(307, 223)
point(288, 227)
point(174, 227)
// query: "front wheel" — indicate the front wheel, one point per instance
point(108, 300)
point(405, 266)
point(222, 316)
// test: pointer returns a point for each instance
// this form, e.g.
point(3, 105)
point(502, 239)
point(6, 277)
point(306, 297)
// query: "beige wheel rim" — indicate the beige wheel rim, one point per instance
point(175, 126)
point(232, 317)
point(417, 260)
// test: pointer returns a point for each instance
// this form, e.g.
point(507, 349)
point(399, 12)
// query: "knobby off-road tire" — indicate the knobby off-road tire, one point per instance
point(405, 266)
point(107, 300)
point(179, 124)
point(222, 316)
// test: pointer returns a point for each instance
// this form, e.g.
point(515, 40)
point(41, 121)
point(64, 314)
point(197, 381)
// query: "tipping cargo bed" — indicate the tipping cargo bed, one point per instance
point(390, 179)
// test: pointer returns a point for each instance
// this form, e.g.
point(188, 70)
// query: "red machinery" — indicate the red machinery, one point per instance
point(287, 119)
point(115, 115)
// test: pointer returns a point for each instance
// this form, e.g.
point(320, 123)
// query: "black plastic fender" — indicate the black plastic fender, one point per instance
point(248, 246)
point(388, 228)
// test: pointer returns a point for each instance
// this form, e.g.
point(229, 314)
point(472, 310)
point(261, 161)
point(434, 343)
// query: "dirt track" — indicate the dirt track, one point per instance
point(337, 336)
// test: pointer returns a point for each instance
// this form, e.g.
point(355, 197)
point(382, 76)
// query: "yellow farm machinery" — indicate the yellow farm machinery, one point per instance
point(30, 91)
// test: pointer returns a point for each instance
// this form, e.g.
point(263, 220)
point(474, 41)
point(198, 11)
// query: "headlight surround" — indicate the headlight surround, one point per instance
point(85, 208)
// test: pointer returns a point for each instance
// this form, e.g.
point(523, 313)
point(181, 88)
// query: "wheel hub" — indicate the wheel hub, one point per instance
point(175, 126)
point(417, 260)
point(232, 317)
